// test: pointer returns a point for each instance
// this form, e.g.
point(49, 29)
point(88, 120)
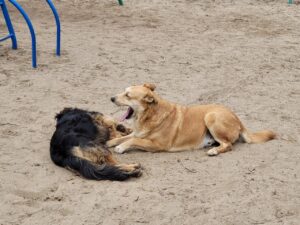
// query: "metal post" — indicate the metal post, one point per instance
point(31, 29)
point(57, 26)
point(10, 27)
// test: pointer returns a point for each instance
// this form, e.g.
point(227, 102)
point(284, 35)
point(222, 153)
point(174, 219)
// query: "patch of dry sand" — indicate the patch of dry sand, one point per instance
point(244, 54)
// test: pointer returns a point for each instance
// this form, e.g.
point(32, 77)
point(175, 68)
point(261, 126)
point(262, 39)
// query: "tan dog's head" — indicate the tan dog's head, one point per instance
point(137, 98)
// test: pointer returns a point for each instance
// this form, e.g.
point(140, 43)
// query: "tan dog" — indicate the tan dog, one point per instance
point(159, 125)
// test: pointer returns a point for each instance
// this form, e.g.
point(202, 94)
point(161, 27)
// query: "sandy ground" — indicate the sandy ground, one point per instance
point(244, 54)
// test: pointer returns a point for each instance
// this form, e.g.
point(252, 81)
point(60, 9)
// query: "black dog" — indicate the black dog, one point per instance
point(78, 143)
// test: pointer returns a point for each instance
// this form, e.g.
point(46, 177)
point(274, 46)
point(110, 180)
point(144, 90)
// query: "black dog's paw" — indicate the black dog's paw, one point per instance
point(121, 128)
point(136, 173)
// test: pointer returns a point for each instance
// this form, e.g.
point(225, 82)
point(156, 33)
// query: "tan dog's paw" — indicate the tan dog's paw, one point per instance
point(119, 149)
point(212, 152)
point(110, 143)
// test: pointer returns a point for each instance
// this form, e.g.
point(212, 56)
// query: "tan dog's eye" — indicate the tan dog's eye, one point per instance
point(127, 95)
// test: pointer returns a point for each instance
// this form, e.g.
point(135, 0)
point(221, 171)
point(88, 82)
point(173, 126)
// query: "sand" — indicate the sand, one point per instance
point(243, 54)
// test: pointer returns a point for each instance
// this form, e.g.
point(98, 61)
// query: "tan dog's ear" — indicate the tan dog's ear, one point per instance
point(149, 99)
point(150, 86)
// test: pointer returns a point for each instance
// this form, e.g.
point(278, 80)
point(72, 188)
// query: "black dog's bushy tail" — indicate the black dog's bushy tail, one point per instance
point(97, 172)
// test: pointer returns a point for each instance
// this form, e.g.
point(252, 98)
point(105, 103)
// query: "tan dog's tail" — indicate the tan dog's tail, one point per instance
point(257, 137)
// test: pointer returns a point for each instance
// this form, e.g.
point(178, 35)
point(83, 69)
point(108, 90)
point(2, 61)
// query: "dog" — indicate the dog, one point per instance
point(78, 144)
point(159, 125)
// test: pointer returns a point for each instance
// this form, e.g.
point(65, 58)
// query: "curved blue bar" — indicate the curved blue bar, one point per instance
point(33, 39)
point(57, 26)
point(10, 27)
point(6, 37)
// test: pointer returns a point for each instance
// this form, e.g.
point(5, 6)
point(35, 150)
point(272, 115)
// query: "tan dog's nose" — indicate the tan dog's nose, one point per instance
point(113, 99)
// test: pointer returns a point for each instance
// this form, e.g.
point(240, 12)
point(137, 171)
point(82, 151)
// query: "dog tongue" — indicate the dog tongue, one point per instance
point(126, 114)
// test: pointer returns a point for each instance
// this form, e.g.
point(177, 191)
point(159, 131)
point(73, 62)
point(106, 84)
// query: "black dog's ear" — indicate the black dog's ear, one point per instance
point(150, 86)
point(63, 112)
point(58, 116)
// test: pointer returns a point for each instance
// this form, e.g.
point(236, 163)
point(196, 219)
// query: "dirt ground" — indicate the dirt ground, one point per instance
point(244, 54)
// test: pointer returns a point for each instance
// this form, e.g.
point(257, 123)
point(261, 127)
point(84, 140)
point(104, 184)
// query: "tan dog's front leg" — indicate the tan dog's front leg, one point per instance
point(117, 141)
point(138, 143)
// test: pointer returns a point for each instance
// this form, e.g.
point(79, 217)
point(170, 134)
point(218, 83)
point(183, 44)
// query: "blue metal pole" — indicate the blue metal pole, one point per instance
point(58, 35)
point(10, 27)
point(32, 33)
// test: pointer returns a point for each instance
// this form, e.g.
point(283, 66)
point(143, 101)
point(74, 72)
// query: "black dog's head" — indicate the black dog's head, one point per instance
point(81, 123)
point(91, 123)
point(71, 113)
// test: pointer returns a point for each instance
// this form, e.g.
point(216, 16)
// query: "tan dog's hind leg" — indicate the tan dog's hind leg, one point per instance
point(224, 147)
point(138, 143)
point(225, 129)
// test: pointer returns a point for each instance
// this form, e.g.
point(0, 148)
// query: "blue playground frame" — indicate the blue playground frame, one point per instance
point(12, 34)
point(10, 28)
point(55, 13)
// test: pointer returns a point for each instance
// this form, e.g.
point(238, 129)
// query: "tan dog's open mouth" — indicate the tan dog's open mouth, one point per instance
point(128, 114)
